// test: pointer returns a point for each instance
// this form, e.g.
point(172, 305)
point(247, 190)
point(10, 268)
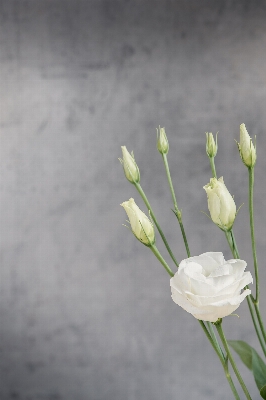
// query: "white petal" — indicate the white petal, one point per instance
point(220, 310)
point(238, 266)
point(221, 270)
point(207, 262)
point(214, 315)
point(220, 282)
point(217, 256)
point(181, 300)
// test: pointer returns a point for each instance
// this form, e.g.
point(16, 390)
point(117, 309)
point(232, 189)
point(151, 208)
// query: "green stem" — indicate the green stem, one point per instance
point(161, 259)
point(252, 232)
point(232, 243)
point(256, 306)
point(176, 209)
point(213, 167)
point(213, 341)
point(146, 201)
point(231, 359)
point(183, 233)
point(214, 338)
point(170, 180)
point(254, 252)
point(255, 323)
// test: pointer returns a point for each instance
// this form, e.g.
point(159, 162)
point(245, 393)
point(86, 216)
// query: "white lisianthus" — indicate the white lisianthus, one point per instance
point(246, 148)
point(130, 166)
point(208, 287)
point(140, 224)
point(220, 204)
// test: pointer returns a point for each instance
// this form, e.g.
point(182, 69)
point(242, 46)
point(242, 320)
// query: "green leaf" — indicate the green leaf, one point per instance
point(263, 392)
point(259, 369)
point(253, 361)
point(243, 350)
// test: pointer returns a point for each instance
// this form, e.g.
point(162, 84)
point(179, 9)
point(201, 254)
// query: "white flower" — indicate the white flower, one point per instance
point(208, 287)
point(140, 224)
point(220, 204)
point(130, 166)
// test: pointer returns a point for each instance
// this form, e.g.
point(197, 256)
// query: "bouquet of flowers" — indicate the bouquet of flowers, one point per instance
point(207, 286)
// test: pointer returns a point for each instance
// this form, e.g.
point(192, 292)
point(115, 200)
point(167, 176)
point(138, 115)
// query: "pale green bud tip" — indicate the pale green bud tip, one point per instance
point(162, 141)
point(211, 145)
point(141, 226)
point(130, 167)
point(246, 148)
point(220, 204)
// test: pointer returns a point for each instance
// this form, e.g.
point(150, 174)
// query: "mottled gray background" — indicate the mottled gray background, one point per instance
point(85, 310)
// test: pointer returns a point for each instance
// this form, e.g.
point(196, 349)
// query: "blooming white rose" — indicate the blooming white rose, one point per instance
point(140, 224)
point(220, 203)
point(208, 287)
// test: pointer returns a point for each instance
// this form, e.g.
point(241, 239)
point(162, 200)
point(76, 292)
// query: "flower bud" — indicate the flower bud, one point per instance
point(141, 226)
point(130, 167)
point(162, 141)
point(246, 148)
point(211, 145)
point(220, 204)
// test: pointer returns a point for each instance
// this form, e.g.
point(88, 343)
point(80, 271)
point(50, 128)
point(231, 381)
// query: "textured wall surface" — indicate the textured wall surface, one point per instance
point(85, 310)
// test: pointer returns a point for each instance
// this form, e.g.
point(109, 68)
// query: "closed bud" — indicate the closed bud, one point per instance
point(130, 167)
point(246, 148)
point(220, 204)
point(162, 141)
point(211, 145)
point(141, 226)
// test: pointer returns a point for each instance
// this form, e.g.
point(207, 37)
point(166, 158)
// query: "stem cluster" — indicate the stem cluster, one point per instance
point(221, 348)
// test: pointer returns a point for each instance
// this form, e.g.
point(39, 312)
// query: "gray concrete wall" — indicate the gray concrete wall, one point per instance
point(85, 310)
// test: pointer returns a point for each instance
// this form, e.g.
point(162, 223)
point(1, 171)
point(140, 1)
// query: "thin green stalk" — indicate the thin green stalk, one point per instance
point(170, 180)
point(146, 201)
point(254, 252)
point(176, 209)
point(161, 259)
point(256, 306)
point(219, 353)
point(231, 359)
point(232, 243)
point(183, 234)
point(252, 231)
point(213, 167)
point(255, 323)
point(214, 338)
